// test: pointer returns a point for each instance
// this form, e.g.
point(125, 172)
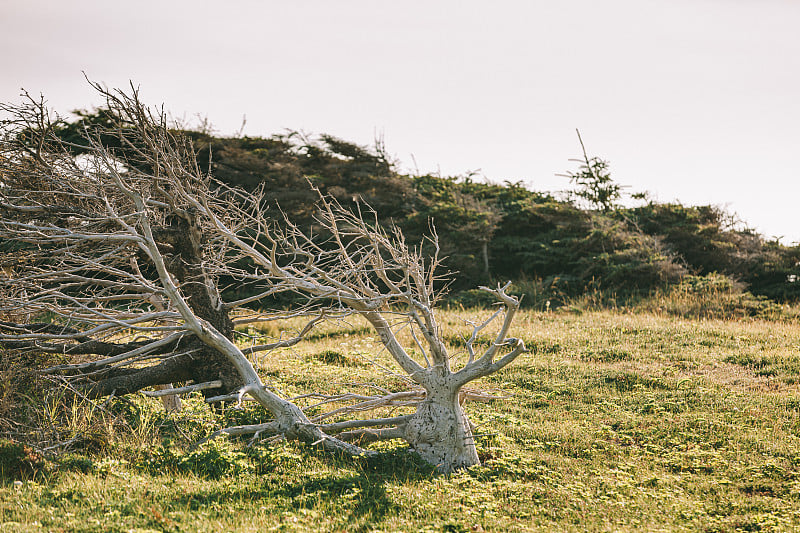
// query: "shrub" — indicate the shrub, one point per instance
point(713, 296)
point(212, 459)
point(18, 460)
point(76, 462)
point(332, 357)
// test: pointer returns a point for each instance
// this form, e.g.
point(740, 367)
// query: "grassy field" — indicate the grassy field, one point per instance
point(615, 422)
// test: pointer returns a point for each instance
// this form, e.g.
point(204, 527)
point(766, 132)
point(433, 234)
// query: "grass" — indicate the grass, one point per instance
point(618, 422)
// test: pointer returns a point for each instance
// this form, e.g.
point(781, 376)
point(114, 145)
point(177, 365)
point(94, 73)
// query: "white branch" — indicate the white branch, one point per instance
point(183, 390)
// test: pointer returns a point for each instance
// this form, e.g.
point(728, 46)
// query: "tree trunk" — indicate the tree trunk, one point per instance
point(122, 381)
point(181, 243)
point(485, 257)
point(186, 262)
point(171, 402)
point(440, 431)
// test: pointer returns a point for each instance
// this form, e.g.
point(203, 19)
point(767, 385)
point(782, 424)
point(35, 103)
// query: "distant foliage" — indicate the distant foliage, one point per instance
point(707, 239)
point(594, 183)
point(491, 231)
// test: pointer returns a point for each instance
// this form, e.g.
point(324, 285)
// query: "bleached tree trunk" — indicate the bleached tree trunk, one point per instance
point(378, 277)
point(440, 432)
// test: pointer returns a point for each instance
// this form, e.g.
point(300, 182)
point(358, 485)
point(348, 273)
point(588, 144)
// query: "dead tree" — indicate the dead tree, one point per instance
point(362, 268)
point(116, 256)
point(93, 245)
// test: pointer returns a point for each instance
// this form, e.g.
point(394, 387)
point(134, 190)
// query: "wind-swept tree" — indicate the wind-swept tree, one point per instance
point(595, 184)
point(115, 259)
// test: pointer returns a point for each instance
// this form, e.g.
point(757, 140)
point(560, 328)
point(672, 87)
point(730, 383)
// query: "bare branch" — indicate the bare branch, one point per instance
point(183, 390)
point(119, 255)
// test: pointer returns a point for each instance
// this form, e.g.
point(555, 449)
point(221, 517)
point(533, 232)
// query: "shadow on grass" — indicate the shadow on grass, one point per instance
point(357, 331)
point(361, 499)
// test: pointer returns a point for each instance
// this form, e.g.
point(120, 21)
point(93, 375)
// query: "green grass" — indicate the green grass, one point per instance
point(617, 422)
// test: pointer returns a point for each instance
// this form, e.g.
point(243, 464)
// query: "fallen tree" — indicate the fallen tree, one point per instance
point(115, 259)
point(82, 238)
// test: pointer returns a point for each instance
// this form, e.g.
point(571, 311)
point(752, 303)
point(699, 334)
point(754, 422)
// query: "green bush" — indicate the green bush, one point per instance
point(473, 298)
point(712, 283)
point(714, 296)
point(19, 460)
point(332, 357)
point(76, 462)
point(532, 294)
point(521, 234)
point(214, 459)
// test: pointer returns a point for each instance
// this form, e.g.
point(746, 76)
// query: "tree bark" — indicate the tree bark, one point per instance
point(129, 380)
point(440, 432)
point(181, 244)
point(185, 242)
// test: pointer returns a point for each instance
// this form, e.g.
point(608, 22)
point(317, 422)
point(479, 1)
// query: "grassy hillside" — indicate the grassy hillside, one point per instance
point(614, 421)
point(568, 244)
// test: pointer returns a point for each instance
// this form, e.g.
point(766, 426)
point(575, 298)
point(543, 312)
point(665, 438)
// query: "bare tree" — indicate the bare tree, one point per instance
point(85, 238)
point(118, 257)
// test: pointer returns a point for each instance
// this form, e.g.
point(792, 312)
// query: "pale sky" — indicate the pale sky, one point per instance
point(692, 100)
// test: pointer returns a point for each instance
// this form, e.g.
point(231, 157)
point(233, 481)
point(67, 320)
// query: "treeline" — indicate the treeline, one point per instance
point(489, 231)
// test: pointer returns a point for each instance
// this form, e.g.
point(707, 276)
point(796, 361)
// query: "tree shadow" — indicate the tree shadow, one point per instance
point(365, 492)
point(361, 497)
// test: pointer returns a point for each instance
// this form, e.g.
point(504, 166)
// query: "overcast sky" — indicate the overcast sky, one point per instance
point(691, 100)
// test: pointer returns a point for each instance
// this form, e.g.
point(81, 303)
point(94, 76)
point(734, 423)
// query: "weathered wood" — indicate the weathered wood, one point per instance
point(167, 390)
